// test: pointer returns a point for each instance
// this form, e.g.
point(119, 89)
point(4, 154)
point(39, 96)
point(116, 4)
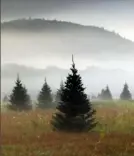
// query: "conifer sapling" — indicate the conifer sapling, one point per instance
point(45, 96)
point(74, 111)
point(19, 98)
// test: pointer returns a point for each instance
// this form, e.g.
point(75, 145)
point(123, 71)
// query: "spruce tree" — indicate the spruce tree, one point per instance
point(58, 94)
point(126, 95)
point(74, 111)
point(19, 98)
point(45, 96)
point(107, 94)
point(102, 94)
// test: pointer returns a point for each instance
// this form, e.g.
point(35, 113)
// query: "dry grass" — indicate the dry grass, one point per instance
point(30, 134)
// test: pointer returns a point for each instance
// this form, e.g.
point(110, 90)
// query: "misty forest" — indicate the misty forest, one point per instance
point(67, 78)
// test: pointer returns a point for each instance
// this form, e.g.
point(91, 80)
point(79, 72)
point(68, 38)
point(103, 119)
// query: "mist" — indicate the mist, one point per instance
point(100, 37)
point(44, 49)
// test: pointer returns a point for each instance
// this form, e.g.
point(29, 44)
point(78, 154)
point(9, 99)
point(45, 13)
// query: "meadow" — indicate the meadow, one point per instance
point(30, 133)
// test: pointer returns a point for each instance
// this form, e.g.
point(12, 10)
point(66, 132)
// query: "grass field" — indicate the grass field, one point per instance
point(30, 133)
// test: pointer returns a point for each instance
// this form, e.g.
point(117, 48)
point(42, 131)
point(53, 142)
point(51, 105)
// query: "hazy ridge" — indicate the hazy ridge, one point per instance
point(38, 25)
point(64, 38)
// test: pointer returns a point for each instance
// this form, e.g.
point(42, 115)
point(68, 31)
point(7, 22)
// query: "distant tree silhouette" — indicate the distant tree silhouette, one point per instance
point(93, 97)
point(45, 97)
point(5, 99)
point(105, 94)
point(102, 94)
point(19, 98)
point(59, 92)
point(126, 95)
point(74, 111)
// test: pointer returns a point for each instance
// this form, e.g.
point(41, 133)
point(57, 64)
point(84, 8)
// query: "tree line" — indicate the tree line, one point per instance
point(45, 98)
point(74, 110)
point(107, 95)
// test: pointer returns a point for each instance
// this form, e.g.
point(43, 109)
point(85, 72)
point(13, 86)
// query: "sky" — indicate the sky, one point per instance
point(114, 15)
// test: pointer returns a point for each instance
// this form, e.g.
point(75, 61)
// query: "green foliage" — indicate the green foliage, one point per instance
point(19, 98)
point(126, 95)
point(75, 112)
point(45, 97)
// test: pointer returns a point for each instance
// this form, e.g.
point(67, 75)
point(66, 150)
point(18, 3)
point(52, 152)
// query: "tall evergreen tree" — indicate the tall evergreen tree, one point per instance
point(126, 95)
point(45, 96)
point(59, 92)
point(19, 98)
point(74, 111)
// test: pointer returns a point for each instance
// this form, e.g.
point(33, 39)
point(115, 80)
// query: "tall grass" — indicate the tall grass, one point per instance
point(30, 133)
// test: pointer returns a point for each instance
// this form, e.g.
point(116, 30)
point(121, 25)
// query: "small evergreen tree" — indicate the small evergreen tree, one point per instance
point(105, 94)
point(126, 95)
point(59, 92)
point(74, 111)
point(19, 98)
point(45, 96)
point(102, 94)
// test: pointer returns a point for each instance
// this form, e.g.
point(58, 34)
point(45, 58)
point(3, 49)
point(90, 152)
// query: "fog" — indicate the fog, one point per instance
point(45, 54)
point(94, 79)
point(37, 49)
point(44, 49)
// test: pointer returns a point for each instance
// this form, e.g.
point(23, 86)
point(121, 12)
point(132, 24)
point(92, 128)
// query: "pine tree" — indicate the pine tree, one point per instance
point(102, 94)
point(105, 94)
point(126, 95)
point(58, 94)
point(74, 111)
point(19, 98)
point(45, 96)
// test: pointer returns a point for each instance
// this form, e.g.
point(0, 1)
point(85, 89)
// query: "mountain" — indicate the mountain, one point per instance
point(40, 43)
point(39, 25)
point(94, 78)
point(42, 38)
